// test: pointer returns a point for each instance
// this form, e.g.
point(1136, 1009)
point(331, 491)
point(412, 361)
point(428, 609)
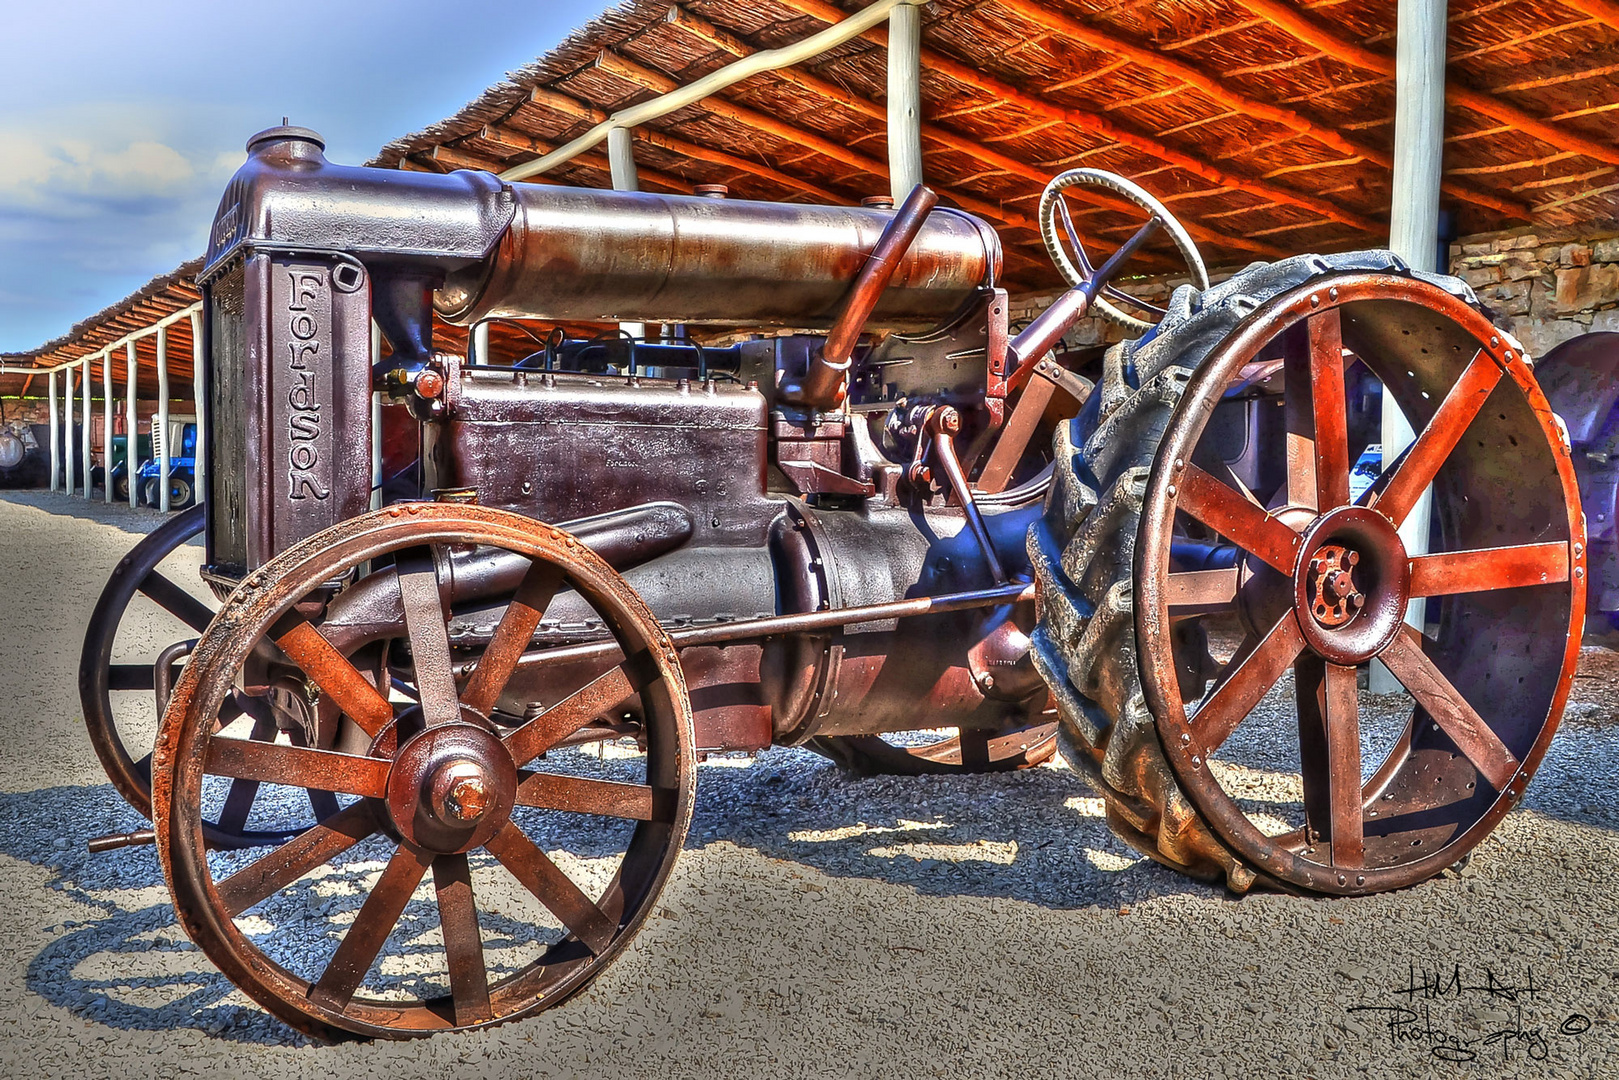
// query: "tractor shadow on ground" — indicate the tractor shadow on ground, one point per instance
point(128, 965)
point(1036, 836)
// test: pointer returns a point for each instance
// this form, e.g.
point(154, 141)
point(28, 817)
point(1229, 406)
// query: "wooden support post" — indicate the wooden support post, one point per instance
point(68, 444)
point(106, 426)
point(56, 434)
point(131, 458)
point(84, 436)
point(621, 160)
point(160, 424)
point(1419, 139)
point(904, 100)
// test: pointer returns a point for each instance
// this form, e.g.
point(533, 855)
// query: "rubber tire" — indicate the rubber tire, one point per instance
point(179, 493)
point(1082, 550)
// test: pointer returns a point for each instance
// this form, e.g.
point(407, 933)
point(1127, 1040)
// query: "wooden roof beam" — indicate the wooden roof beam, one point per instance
point(1354, 54)
point(1051, 115)
point(632, 72)
point(1036, 12)
point(579, 110)
point(1604, 11)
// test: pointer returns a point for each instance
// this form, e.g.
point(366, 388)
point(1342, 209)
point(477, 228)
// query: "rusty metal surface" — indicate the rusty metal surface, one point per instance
point(1504, 485)
point(444, 788)
point(589, 255)
point(595, 438)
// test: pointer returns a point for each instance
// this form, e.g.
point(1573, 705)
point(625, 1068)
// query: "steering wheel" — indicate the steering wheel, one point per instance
point(1054, 216)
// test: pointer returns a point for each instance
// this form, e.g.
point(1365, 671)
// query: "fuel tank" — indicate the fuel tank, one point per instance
point(589, 255)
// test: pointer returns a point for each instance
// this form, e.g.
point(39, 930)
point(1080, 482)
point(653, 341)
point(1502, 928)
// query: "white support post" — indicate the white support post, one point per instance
point(199, 391)
point(480, 344)
point(160, 424)
point(67, 435)
point(56, 433)
point(904, 100)
point(376, 420)
point(621, 159)
point(106, 426)
point(84, 436)
point(1419, 139)
point(621, 164)
point(131, 460)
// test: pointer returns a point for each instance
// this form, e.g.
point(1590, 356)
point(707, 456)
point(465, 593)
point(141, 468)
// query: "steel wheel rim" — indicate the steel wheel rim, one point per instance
point(1172, 483)
point(649, 855)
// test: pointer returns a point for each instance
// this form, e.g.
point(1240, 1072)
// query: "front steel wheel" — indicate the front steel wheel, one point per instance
point(1197, 588)
point(437, 787)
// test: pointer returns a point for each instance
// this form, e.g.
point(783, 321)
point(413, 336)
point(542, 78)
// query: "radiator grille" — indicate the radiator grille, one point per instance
point(227, 422)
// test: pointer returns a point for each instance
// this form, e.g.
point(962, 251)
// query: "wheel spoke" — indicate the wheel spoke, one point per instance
point(429, 637)
point(512, 636)
point(551, 791)
point(331, 671)
point(1205, 590)
point(298, 766)
point(1298, 368)
point(1237, 519)
point(239, 801)
point(1329, 756)
point(1330, 409)
point(1472, 736)
point(1246, 681)
point(176, 601)
point(1489, 569)
point(1439, 438)
point(371, 927)
point(130, 677)
point(601, 695)
point(463, 941)
point(542, 877)
point(311, 848)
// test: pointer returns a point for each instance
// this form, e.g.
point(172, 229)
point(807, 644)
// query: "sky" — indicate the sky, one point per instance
point(120, 121)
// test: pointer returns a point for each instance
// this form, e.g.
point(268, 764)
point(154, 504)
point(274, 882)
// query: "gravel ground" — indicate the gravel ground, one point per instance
point(815, 926)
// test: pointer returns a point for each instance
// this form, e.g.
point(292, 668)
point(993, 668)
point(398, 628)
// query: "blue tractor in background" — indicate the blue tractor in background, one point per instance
point(182, 442)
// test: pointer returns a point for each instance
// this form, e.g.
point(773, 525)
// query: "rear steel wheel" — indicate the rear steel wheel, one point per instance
point(1196, 774)
point(123, 700)
point(440, 788)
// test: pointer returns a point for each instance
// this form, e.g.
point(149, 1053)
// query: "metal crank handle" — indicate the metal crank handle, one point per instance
point(96, 845)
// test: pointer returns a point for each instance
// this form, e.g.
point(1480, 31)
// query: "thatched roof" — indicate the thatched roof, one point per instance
point(1266, 124)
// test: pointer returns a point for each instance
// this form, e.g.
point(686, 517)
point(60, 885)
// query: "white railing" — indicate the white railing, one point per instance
point(64, 476)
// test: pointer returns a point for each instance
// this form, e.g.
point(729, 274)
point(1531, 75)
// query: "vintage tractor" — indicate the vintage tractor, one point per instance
point(840, 503)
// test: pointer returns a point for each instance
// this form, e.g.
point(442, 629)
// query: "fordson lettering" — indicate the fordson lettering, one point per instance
point(304, 421)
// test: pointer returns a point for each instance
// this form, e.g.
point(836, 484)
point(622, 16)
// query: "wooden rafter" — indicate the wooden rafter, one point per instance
point(1317, 36)
point(1605, 12)
point(1036, 12)
point(1050, 115)
point(1211, 86)
point(661, 82)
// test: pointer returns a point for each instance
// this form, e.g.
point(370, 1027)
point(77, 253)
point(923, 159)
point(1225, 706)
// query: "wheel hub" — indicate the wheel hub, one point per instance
point(1351, 584)
point(1334, 595)
point(451, 787)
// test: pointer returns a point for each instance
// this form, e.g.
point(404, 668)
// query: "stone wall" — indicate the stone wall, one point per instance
point(1545, 287)
point(37, 410)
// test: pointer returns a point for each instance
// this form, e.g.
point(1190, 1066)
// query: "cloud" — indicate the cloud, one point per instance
point(44, 169)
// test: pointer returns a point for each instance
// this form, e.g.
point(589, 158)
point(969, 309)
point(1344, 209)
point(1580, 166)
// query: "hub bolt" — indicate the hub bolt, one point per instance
point(459, 793)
